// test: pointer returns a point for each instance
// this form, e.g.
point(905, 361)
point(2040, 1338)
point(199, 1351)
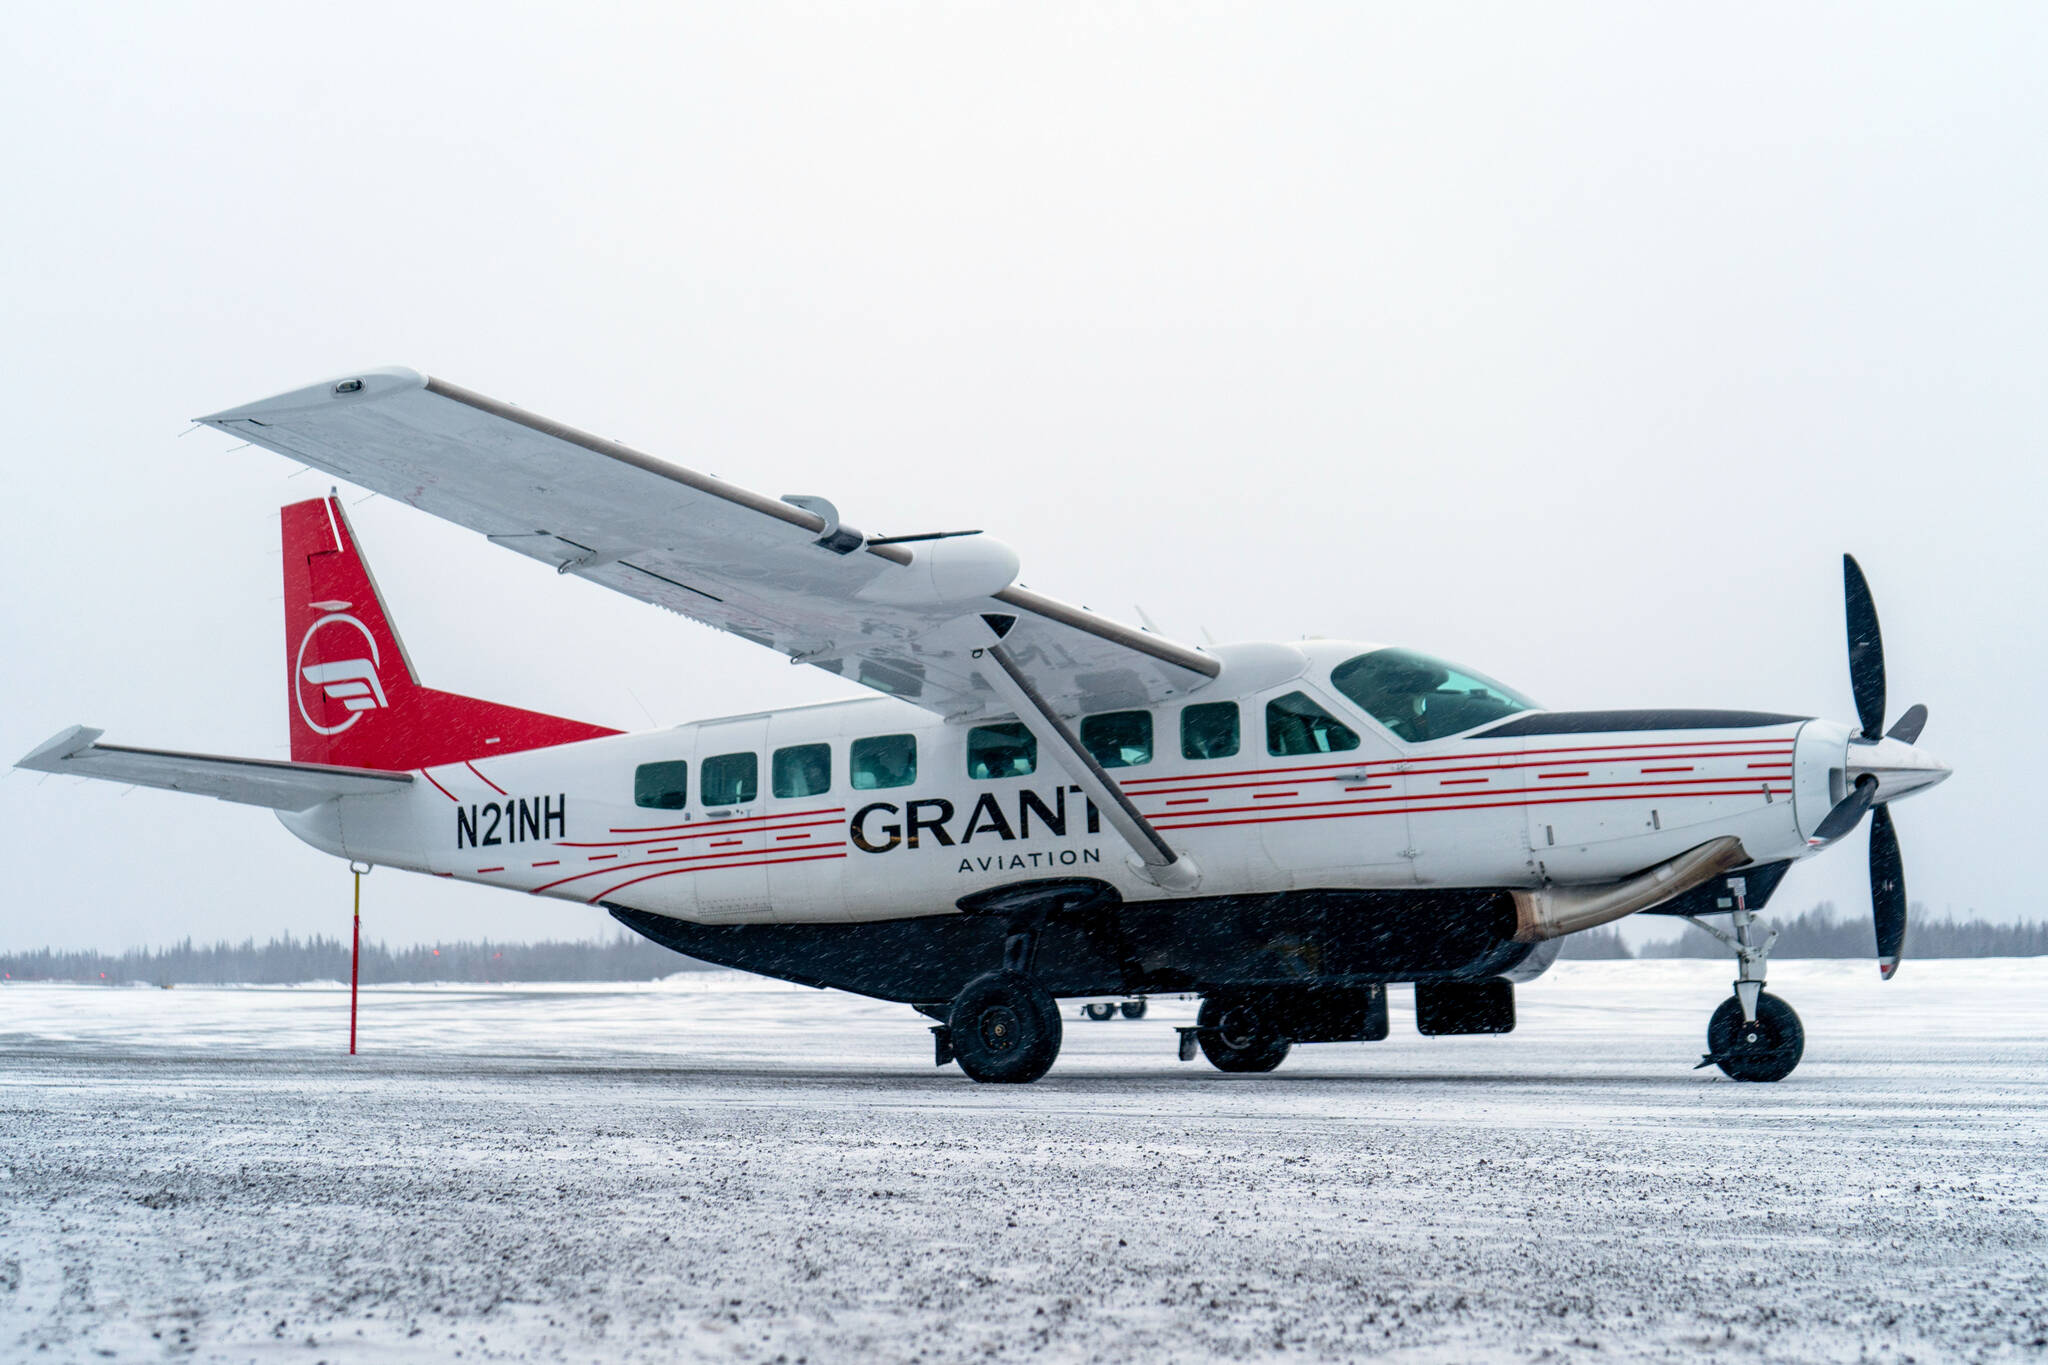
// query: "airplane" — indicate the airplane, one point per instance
point(1037, 802)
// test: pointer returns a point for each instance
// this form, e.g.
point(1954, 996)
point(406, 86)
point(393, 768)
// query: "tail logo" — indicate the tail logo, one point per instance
point(352, 682)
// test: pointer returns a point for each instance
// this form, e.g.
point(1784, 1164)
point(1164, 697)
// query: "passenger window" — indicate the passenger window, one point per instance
point(1119, 739)
point(729, 780)
point(884, 761)
point(662, 786)
point(1208, 730)
point(1295, 725)
point(801, 770)
point(1001, 751)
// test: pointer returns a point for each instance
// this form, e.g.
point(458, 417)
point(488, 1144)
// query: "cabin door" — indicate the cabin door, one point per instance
point(731, 879)
point(804, 836)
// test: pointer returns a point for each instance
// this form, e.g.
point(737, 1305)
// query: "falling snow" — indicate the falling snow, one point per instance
point(722, 1168)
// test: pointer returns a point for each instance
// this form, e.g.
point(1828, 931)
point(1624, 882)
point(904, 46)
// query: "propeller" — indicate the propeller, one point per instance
point(1848, 812)
point(1866, 648)
point(1887, 891)
point(1906, 729)
point(1866, 681)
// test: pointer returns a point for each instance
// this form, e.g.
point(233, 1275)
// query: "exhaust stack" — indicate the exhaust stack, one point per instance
point(1553, 911)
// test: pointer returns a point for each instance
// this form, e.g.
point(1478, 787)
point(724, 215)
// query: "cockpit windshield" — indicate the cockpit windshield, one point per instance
point(1420, 698)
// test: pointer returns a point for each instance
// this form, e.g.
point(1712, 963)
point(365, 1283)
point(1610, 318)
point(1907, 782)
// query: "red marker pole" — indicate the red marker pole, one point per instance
point(355, 956)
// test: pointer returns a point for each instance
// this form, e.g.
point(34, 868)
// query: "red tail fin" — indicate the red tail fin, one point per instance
point(353, 698)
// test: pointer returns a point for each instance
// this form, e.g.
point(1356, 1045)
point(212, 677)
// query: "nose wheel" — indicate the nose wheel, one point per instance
point(1753, 1036)
point(1764, 1048)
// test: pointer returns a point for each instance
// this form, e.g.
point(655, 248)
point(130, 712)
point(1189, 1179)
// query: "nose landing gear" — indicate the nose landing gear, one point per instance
point(1752, 1036)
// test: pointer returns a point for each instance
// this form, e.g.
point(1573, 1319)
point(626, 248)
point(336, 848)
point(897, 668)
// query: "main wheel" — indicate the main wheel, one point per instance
point(1099, 1012)
point(1005, 1027)
point(1133, 1009)
point(1766, 1050)
point(1235, 1038)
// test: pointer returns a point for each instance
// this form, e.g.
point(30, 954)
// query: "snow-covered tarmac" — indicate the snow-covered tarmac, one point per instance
point(724, 1169)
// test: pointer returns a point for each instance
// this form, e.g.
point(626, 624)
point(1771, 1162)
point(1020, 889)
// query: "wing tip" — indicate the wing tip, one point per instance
point(354, 387)
point(66, 743)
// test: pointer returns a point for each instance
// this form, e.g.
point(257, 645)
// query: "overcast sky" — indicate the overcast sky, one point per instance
point(1572, 343)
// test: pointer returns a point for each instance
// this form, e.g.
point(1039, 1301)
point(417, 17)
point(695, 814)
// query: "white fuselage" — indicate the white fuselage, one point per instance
point(1467, 811)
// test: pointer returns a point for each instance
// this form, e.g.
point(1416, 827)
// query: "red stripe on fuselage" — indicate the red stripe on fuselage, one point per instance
point(708, 859)
point(481, 778)
point(807, 857)
point(728, 824)
point(709, 830)
point(1544, 799)
point(1631, 791)
point(1722, 747)
point(1392, 767)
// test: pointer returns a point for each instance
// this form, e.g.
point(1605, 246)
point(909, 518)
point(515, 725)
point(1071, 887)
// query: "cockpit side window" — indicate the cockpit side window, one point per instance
point(1420, 698)
point(1296, 725)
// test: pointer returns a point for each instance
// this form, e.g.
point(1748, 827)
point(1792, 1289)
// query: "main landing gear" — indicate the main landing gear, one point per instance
point(1753, 1036)
point(1235, 1035)
point(1003, 1027)
point(1101, 1011)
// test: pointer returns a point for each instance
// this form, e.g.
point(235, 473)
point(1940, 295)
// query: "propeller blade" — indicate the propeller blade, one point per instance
point(1866, 648)
point(1906, 729)
point(1847, 812)
point(1887, 891)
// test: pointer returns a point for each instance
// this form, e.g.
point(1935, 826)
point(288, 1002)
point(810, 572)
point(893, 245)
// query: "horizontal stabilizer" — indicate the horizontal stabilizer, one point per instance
point(250, 781)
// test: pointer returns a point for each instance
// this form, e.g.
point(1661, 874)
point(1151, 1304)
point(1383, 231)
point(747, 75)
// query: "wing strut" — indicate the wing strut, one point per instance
point(1157, 861)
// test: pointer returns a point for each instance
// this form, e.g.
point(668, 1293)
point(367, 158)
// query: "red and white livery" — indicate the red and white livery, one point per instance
point(1037, 803)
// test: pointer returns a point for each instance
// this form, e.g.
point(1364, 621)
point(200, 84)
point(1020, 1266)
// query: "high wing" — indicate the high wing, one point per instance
point(904, 617)
point(248, 781)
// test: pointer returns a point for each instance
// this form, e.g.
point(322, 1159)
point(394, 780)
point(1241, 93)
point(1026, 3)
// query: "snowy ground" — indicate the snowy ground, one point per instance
point(723, 1169)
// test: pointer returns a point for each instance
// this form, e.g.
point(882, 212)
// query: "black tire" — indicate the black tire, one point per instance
point(1235, 1038)
point(1099, 1012)
point(1005, 1028)
point(1764, 1051)
point(1133, 1009)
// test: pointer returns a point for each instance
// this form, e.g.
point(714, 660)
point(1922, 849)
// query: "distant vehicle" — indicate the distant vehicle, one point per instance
point(1102, 1011)
point(1040, 802)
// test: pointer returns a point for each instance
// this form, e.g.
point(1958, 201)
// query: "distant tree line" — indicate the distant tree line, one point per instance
point(1824, 932)
point(288, 960)
point(1594, 943)
point(1819, 932)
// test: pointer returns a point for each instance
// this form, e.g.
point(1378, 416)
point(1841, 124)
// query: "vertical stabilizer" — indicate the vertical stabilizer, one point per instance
point(351, 693)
